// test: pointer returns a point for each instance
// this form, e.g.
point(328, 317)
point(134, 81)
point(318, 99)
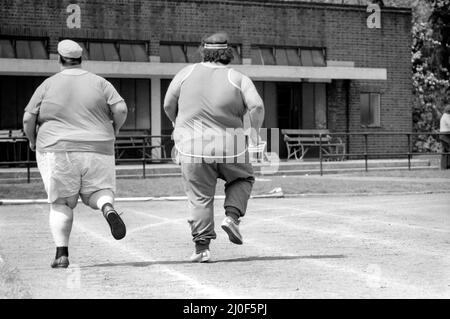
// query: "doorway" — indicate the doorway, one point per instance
point(300, 106)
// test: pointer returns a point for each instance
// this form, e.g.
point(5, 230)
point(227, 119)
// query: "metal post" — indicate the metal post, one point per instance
point(409, 151)
point(320, 154)
point(28, 164)
point(143, 157)
point(366, 155)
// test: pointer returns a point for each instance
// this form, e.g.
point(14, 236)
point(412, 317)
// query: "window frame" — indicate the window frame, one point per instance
point(116, 43)
point(374, 116)
point(299, 50)
point(185, 45)
point(13, 41)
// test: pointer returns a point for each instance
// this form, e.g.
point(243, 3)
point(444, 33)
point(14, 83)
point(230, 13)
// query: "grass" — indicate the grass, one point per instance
point(351, 183)
point(420, 174)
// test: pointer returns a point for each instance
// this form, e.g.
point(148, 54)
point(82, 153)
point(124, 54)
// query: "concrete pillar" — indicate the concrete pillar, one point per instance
point(156, 110)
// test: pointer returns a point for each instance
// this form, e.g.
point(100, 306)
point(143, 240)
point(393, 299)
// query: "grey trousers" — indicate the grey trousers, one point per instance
point(200, 181)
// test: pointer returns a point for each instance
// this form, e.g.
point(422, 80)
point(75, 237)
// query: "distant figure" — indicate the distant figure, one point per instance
point(207, 102)
point(445, 138)
point(78, 114)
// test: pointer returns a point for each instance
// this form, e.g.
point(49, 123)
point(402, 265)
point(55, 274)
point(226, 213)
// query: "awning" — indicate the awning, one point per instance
point(115, 69)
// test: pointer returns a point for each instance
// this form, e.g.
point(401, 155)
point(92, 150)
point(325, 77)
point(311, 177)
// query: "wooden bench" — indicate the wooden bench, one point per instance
point(299, 142)
point(140, 141)
point(9, 146)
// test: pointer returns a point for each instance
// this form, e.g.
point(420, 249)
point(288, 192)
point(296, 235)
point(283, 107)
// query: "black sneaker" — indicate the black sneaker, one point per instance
point(118, 229)
point(61, 262)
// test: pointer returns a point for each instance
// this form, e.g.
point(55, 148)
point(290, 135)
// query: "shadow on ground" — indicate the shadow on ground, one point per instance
point(231, 260)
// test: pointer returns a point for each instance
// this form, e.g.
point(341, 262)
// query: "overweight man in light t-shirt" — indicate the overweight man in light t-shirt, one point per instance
point(207, 102)
point(71, 122)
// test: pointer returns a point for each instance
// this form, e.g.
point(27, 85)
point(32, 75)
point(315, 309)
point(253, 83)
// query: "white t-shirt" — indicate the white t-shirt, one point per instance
point(74, 112)
point(445, 123)
point(207, 102)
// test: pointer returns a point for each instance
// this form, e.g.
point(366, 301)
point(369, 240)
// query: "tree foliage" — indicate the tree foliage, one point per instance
point(430, 59)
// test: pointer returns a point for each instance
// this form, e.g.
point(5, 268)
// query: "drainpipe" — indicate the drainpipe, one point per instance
point(347, 113)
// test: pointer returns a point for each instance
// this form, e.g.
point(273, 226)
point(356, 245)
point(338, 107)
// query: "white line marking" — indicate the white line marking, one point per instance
point(340, 233)
point(346, 269)
point(206, 290)
point(148, 215)
point(359, 219)
point(138, 229)
point(356, 218)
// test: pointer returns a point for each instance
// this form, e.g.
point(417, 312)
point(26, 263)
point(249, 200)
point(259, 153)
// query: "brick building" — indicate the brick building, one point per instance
point(316, 65)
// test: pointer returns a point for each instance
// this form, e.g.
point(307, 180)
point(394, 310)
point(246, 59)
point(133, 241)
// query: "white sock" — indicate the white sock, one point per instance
point(61, 219)
point(100, 198)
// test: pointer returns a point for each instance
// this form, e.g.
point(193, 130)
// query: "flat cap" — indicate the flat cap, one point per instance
point(69, 49)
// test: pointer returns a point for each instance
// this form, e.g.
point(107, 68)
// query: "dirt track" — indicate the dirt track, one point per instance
point(326, 247)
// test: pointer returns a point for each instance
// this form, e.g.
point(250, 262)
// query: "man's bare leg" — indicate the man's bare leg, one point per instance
point(104, 200)
point(61, 220)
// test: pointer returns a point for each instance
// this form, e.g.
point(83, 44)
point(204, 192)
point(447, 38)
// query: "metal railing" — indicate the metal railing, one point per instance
point(366, 153)
point(143, 144)
point(20, 140)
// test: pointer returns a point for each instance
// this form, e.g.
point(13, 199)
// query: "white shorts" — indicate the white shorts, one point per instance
point(66, 174)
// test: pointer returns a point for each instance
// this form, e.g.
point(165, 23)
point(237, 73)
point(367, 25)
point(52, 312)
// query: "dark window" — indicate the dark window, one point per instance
point(126, 53)
point(173, 53)
point(293, 57)
point(318, 58)
point(188, 53)
point(281, 57)
point(256, 57)
point(370, 109)
point(193, 54)
point(137, 94)
point(6, 49)
point(287, 56)
point(306, 56)
point(110, 52)
point(267, 56)
point(23, 49)
point(99, 51)
point(139, 52)
point(314, 106)
point(114, 51)
point(85, 54)
point(263, 55)
point(15, 93)
point(96, 51)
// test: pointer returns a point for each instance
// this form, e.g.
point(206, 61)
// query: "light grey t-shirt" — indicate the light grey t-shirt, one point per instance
point(207, 103)
point(73, 108)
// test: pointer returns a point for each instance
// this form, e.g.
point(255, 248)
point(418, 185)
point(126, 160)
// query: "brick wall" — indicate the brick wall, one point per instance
point(341, 29)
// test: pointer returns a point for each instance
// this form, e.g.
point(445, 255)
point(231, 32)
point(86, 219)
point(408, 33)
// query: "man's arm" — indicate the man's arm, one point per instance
point(29, 127)
point(31, 112)
point(255, 106)
point(171, 101)
point(173, 92)
point(119, 111)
